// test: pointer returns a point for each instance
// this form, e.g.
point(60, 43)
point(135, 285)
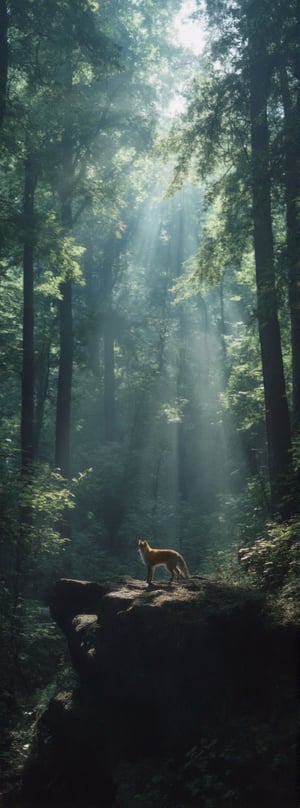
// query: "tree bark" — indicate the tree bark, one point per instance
point(94, 316)
point(64, 385)
point(27, 407)
point(27, 391)
point(292, 193)
point(181, 392)
point(276, 407)
point(109, 356)
point(41, 388)
point(3, 57)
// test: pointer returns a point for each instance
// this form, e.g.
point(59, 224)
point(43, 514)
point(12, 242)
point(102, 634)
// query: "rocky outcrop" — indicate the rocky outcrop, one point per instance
point(162, 670)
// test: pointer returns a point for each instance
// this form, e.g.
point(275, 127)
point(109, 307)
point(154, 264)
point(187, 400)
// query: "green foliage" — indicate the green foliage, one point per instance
point(46, 494)
point(273, 559)
point(206, 776)
point(42, 668)
point(240, 766)
point(231, 769)
point(31, 554)
point(62, 265)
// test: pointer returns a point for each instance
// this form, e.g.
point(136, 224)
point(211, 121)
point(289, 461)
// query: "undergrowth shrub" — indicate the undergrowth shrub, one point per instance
point(273, 559)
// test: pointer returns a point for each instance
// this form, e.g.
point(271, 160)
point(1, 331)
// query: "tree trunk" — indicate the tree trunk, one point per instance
point(181, 391)
point(27, 407)
point(64, 385)
point(109, 357)
point(41, 385)
point(27, 395)
point(94, 317)
point(276, 407)
point(3, 57)
point(292, 189)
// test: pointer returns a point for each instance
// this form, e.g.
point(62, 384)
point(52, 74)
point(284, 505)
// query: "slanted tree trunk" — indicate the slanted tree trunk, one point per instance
point(276, 407)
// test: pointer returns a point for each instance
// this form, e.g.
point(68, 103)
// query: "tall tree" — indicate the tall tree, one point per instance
point(28, 226)
point(287, 38)
point(64, 384)
point(86, 55)
point(3, 56)
point(276, 407)
point(215, 130)
point(108, 349)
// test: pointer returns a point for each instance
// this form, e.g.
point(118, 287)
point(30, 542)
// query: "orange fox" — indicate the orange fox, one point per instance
point(174, 562)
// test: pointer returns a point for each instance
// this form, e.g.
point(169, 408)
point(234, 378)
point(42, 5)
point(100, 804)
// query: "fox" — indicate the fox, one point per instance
point(172, 560)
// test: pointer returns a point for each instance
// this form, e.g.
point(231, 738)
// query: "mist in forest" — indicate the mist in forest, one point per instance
point(177, 454)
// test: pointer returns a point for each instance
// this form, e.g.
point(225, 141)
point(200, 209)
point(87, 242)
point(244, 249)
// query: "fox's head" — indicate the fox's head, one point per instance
point(143, 548)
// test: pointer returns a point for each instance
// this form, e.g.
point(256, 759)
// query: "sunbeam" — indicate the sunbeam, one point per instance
point(189, 29)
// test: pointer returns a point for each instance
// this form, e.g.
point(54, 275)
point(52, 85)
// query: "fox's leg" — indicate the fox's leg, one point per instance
point(172, 570)
point(150, 574)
